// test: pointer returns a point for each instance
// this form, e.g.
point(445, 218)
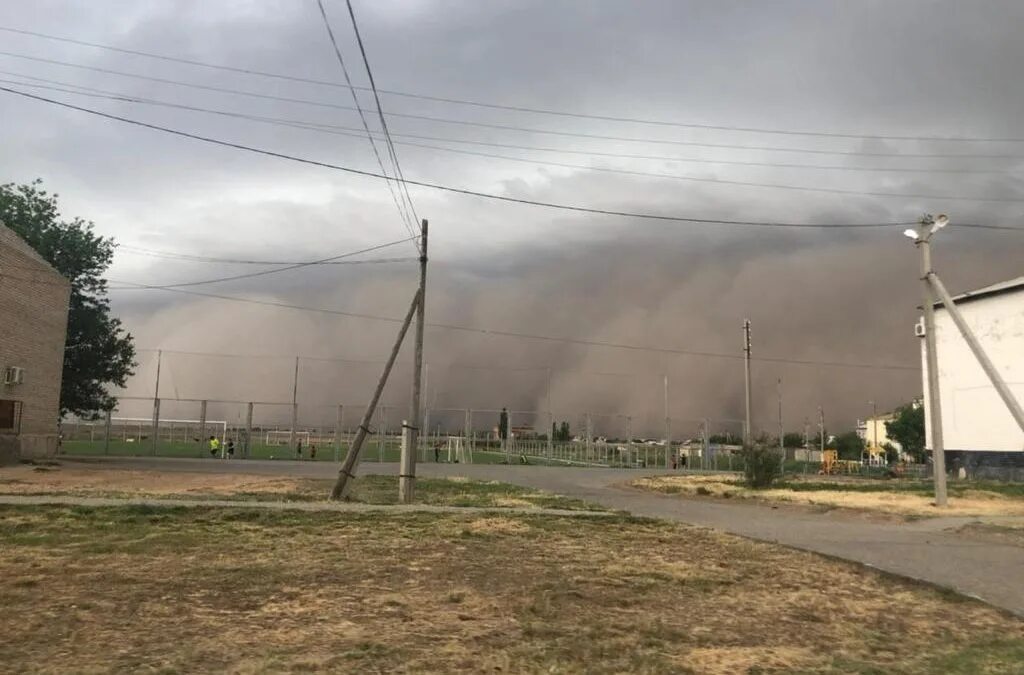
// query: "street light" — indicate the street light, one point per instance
point(922, 236)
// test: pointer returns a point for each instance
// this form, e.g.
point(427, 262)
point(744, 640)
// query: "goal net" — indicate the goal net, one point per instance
point(284, 437)
point(135, 429)
point(458, 452)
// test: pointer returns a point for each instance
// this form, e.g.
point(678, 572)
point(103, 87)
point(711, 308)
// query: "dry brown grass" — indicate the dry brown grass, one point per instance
point(27, 479)
point(967, 503)
point(186, 590)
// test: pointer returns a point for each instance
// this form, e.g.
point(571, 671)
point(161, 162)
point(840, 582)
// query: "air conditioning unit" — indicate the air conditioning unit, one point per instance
point(14, 375)
point(919, 329)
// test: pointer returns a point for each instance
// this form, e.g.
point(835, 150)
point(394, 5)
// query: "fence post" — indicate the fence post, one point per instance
point(337, 432)
point(248, 432)
point(202, 427)
point(106, 435)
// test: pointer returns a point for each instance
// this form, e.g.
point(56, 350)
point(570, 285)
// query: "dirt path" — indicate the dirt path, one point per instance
point(927, 550)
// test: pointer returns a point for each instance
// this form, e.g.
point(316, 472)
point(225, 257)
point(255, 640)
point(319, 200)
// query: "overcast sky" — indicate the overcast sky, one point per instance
point(911, 68)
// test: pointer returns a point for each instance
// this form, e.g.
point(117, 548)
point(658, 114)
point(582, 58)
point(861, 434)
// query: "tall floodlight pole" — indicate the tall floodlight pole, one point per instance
point(668, 430)
point(746, 378)
point(922, 239)
point(407, 472)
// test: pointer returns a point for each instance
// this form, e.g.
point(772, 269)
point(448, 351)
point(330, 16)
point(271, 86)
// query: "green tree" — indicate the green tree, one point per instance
point(849, 445)
point(907, 429)
point(98, 351)
point(793, 440)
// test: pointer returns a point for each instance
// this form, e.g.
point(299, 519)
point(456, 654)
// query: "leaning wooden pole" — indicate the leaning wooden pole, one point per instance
point(342, 485)
point(410, 433)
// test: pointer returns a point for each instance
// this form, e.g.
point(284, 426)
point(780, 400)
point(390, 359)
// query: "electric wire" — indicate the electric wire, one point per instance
point(512, 108)
point(513, 334)
point(400, 205)
point(277, 270)
point(475, 193)
point(506, 127)
point(380, 113)
point(353, 132)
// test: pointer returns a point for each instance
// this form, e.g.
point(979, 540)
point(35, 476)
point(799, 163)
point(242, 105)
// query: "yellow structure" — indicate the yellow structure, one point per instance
point(874, 434)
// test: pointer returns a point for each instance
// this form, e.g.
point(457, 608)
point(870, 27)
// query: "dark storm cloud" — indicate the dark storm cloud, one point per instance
point(909, 68)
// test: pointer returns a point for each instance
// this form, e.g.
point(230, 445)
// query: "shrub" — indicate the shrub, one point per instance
point(761, 466)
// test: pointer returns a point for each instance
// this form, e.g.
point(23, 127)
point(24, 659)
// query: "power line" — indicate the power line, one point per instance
point(446, 188)
point(505, 127)
point(184, 257)
point(353, 132)
point(400, 205)
point(513, 108)
point(262, 273)
point(463, 191)
point(529, 336)
point(380, 111)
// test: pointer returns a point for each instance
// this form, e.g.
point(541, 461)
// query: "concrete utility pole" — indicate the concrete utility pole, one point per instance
point(746, 378)
point(342, 485)
point(922, 236)
point(295, 405)
point(156, 402)
point(821, 431)
point(407, 470)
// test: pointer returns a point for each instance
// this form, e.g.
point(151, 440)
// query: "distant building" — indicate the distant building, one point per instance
point(33, 326)
point(872, 430)
point(977, 428)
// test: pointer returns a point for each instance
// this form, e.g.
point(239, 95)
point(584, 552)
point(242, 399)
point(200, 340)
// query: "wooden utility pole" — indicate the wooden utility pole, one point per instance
point(342, 485)
point(156, 403)
point(407, 470)
point(746, 379)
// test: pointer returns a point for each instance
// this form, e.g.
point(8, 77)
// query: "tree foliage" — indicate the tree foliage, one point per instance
point(561, 432)
point(761, 466)
point(849, 445)
point(98, 351)
point(793, 440)
point(907, 429)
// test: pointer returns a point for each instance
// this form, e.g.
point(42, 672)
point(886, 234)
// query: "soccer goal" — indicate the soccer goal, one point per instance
point(277, 437)
point(134, 429)
point(458, 452)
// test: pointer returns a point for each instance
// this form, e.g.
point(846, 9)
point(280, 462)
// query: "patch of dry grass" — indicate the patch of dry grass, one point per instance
point(186, 590)
point(100, 481)
point(967, 502)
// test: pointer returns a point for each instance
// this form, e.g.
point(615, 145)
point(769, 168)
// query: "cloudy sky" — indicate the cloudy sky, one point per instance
point(861, 74)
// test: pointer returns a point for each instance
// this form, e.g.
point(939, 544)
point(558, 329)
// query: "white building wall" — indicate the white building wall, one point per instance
point(974, 417)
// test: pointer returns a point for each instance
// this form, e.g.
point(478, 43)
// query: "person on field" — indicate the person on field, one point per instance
point(298, 449)
point(231, 448)
point(214, 446)
point(312, 451)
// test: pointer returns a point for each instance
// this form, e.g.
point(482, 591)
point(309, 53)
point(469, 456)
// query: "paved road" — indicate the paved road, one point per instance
point(923, 550)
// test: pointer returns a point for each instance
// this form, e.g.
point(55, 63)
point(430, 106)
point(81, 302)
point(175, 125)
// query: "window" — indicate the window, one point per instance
point(10, 412)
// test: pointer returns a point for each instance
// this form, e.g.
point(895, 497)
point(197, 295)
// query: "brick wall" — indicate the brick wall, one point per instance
point(33, 326)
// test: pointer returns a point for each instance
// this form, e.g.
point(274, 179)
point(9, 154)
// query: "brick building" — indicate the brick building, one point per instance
point(33, 326)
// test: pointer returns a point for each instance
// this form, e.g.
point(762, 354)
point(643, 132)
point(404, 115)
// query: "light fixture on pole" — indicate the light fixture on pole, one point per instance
point(922, 236)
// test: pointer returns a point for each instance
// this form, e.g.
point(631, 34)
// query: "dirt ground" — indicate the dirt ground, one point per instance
point(243, 591)
point(100, 481)
point(965, 503)
point(58, 479)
